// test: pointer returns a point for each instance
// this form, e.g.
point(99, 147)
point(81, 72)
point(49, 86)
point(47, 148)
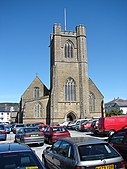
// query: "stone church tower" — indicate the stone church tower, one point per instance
point(69, 74)
point(72, 93)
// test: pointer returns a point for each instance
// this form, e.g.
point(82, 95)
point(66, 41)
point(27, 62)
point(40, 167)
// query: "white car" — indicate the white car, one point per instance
point(65, 123)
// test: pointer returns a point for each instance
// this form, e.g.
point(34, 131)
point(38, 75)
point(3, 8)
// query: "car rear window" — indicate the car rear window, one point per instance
point(19, 160)
point(20, 125)
point(95, 152)
point(29, 130)
point(59, 129)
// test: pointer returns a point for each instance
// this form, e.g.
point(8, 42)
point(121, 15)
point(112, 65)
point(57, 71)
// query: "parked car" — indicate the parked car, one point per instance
point(85, 126)
point(42, 127)
point(12, 126)
point(8, 129)
point(65, 123)
point(94, 127)
point(109, 125)
point(53, 133)
point(29, 135)
point(75, 125)
point(119, 141)
point(14, 156)
point(17, 127)
point(82, 153)
point(71, 125)
point(3, 134)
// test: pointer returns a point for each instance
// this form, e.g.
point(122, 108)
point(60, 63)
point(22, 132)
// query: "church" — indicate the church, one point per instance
point(72, 93)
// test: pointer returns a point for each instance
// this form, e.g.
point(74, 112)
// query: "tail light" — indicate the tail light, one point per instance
point(41, 134)
point(79, 167)
point(3, 132)
point(123, 165)
point(26, 136)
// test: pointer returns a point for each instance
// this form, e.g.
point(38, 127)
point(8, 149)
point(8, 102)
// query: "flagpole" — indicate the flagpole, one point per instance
point(65, 19)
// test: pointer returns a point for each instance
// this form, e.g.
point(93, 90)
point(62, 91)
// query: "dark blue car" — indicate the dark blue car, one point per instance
point(3, 134)
point(18, 156)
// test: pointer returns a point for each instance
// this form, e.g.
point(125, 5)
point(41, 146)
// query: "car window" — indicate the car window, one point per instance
point(47, 129)
point(29, 130)
point(55, 146)
point(20, 130)
point(19, 160)
point(98, 151)
point(66, 150)
point(117, 138)
point(20, 125)
point(59, 129)
point(1, 127)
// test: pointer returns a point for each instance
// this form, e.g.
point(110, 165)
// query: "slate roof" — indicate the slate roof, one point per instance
point(9, 107)
point(118, 101)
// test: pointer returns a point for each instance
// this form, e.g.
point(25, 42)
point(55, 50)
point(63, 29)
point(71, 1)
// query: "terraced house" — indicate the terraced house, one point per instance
point(72, 93)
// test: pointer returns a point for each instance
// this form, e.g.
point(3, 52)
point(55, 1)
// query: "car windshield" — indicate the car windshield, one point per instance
point(19, 160)
point(96, 152)
point(29, 130)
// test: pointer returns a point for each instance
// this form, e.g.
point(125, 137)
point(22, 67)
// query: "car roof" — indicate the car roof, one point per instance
point(13, 147)
point(83, 140)
point(57, 126)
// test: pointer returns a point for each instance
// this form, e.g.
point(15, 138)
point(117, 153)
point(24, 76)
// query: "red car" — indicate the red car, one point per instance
point(85, 126)
point(53, 133)
point(42, 127)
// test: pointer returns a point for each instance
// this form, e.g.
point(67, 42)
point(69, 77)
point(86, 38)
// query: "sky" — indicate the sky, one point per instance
point(25, 28)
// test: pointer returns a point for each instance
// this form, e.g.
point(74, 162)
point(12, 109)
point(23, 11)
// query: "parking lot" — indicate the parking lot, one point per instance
point(39, 149)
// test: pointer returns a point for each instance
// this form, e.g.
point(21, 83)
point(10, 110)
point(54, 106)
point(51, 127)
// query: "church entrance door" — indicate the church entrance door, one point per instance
point(71, 116)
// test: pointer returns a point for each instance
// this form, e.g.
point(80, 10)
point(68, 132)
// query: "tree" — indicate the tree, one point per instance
point(114, 112)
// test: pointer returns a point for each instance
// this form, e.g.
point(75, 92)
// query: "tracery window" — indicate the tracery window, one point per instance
point(37, 110)
point(92, 102)
point(70, 90)
point(36, 92)
point(68, 50)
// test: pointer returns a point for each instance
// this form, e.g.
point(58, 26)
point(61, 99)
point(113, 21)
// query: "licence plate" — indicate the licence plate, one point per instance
point(34, 135)
point(111, 166)
point(32, 167)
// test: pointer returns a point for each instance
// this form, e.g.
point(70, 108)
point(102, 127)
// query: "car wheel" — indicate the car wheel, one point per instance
point(50, 140)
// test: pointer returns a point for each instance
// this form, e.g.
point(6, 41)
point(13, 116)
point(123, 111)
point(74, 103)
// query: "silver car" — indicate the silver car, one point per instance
point(82, 153)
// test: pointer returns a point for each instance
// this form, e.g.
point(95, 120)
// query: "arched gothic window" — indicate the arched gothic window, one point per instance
point(37, 110)
point(92, 102)
point(36, 92)
point(70, 90)
point(68, 50)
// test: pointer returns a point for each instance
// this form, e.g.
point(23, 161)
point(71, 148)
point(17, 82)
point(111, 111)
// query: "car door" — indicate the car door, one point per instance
point(47, 133)
point(119, 142)
point(52, 156)
point(19, 135)
point(124, 148)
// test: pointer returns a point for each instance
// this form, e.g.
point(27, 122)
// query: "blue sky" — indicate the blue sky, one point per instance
point(25, 28)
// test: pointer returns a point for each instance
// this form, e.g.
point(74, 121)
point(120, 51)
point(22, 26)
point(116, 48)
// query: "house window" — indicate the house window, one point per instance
point(92, 102)
point(70, 90)
point(36, 92)
point(68, 50)
point(38, 110)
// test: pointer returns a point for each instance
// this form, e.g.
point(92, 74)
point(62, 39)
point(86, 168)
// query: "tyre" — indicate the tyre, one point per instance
point(50, 140)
